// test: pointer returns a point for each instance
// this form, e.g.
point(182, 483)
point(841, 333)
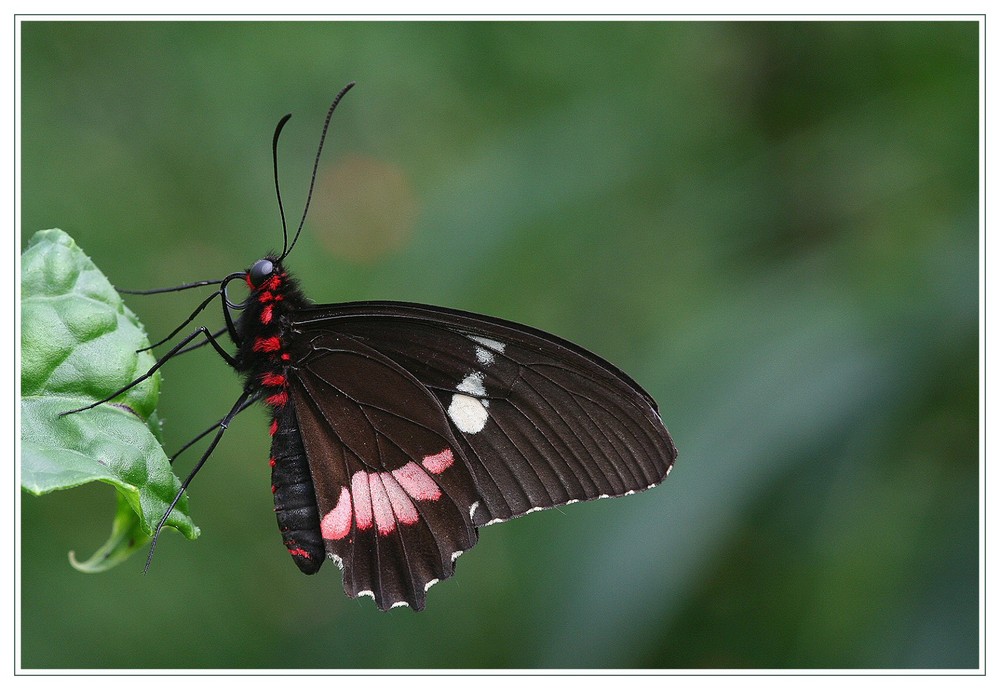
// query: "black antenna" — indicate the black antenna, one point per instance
point(319, 150)
point(277, 187)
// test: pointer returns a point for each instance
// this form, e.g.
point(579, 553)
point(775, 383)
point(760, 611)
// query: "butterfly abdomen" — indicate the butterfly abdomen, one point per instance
point(294, 493)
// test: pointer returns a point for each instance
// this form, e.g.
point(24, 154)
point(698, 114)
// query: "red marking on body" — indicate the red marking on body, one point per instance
point(416, 482)
point(249, 282)
point(337, 523)
point(266, 315)
point(278, 399)
point(362, 500)
point(265, 296)
point(273, 283)
point(439, 462)
point(285, 356)
point(385, 520)
point(274, 489)
point(299, 552)
point(269, 379)
point(274, 427)
point(271, 462)
point(272, 344)
point(402, 506)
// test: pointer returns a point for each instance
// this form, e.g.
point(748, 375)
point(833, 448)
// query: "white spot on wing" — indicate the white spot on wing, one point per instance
point(455, 555)
point(398, 604)
point(472, 384)
point(494, 345)
point(467, 413)
point(486, 348)
point(473, 509)
point(366, 593)
point(430, 583)
point(338, 560)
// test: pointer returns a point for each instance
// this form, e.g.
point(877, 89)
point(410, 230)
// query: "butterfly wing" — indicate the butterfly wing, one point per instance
point(394, 496)
point(539, 421)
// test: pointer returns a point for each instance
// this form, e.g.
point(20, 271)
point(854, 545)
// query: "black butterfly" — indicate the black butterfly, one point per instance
point(400, 429)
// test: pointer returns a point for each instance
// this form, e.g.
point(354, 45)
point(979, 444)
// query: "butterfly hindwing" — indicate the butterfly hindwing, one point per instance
point(393, 489)
point(541, 422)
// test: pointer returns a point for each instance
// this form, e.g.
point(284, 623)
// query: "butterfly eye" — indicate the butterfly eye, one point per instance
point(260, 272)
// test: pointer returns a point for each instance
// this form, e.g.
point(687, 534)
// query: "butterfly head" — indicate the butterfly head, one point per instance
point(261, 272)
point(272, 290)
point(269, 284)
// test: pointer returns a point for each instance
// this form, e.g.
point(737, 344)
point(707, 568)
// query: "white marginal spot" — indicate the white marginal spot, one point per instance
point(366, 593)
point(430, 583)
point(533, 510)
point(494, 521)
point(398, 604)
point(467, 413)
point(337, 559)
point(572, 500)
point(604, 496)
point(473, 509)
point(629, 492)
point(455, 555)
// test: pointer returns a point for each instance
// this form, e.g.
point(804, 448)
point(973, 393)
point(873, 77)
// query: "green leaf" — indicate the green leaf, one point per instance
point(126, 538)
point(78, 345)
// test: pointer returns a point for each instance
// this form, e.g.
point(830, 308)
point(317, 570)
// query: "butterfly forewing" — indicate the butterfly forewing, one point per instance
point(541, 422)
point(393, 490)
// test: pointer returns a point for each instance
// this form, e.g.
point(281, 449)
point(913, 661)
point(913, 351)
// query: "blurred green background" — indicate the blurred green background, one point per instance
point(772, 226)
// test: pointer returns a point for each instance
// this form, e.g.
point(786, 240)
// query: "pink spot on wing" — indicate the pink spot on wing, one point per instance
point(402, 506)
point(385, 520)
point(362, 500)
point(416, 482)
point(439, 462)
point(337, 523)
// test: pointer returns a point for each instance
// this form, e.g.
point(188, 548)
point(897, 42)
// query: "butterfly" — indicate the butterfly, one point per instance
point(398, 430)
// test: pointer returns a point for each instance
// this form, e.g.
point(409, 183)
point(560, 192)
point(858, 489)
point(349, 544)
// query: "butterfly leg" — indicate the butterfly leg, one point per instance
point(206, 432)
point(246, 399)
point(159, 363)
point(201, 308)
